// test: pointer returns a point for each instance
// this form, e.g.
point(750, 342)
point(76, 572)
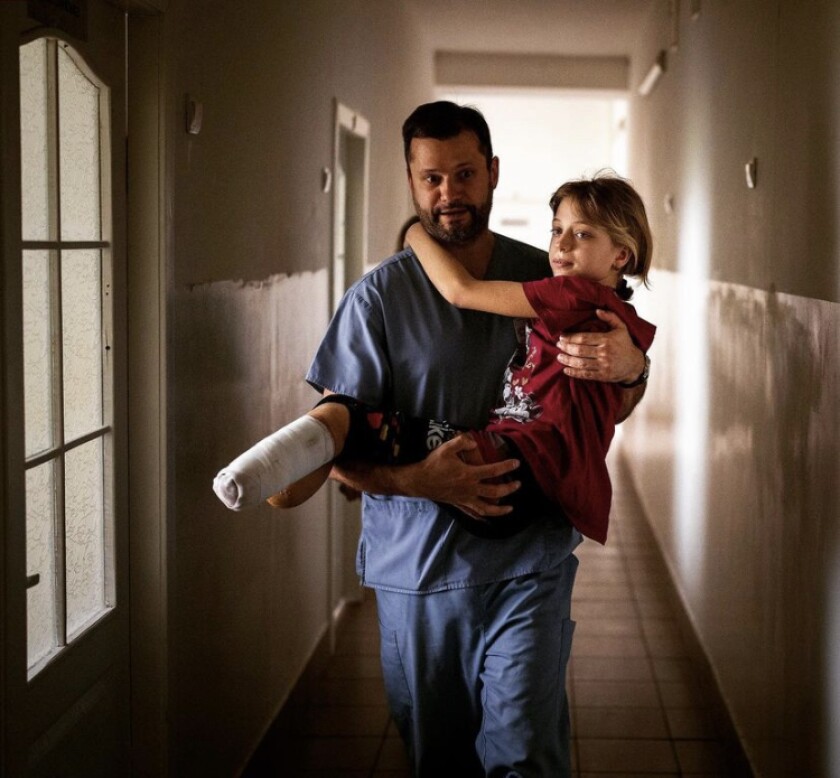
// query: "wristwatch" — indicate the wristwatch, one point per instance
point(643, 376)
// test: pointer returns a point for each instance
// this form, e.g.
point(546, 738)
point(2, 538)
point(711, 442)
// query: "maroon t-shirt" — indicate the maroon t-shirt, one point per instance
point(563, 426)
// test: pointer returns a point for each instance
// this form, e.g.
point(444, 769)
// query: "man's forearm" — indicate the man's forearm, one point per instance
point(630, 398)
point(443, 476)
point(377, 479)
point(634, 392)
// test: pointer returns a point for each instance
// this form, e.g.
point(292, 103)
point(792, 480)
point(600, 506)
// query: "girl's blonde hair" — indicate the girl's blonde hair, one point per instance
point(610, 202)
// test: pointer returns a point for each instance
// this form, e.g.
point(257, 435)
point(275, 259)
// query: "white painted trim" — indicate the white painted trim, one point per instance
point(348, 121)
point(350, 126)
point(148, 241)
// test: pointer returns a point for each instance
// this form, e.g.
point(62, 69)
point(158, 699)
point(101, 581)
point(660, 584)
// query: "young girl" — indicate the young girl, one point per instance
point(560, 427)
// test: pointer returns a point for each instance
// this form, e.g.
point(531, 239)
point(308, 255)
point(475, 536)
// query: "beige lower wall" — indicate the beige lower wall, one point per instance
point(249, 590)
point(735, 454)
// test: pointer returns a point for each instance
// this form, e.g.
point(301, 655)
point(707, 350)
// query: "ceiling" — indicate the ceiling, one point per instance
point(559, 27)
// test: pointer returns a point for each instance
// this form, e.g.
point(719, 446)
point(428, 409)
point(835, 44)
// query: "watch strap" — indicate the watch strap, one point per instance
point(643, 376)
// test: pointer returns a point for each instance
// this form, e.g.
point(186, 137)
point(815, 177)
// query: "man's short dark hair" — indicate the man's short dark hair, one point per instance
point(443, 120)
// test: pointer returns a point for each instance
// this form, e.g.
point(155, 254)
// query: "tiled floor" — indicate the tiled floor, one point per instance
point(637, 697)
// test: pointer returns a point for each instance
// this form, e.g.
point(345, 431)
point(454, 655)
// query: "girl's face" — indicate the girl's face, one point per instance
point(581, 249)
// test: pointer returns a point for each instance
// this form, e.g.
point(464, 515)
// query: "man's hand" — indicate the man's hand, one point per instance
point(443, 476)
point(446, 477)
point(602, 356)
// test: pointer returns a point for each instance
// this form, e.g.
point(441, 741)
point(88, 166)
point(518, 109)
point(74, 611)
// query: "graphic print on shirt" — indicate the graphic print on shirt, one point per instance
point(518, 404)
point(439, 432)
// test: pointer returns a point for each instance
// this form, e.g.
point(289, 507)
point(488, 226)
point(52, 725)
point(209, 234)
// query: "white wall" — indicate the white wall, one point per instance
point(247, 302)
point(735, 448)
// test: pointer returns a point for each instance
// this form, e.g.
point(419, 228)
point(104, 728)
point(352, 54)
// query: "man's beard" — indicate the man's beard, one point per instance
point(457, 234)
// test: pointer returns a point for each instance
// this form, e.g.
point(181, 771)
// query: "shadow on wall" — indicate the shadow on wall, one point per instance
point(774, 468)
point(765, 598)
point(802, 380)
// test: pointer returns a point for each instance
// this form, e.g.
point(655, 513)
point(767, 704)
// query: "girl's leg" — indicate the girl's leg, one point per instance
point(335, 416)
point(393, 438)
point(291, 465)
point(300, 491)
point(367, 434)
point(281, 459)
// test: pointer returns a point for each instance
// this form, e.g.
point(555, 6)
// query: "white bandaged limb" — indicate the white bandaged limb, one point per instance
point(274, 463)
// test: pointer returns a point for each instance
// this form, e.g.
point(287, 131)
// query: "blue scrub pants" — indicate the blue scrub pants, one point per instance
point(475, 677)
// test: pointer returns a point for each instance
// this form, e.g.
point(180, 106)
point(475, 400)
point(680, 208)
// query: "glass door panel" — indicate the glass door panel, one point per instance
point(38, 352)
point(42, 613)
point(82, 346)
point(37, 160)
point(84, 535)
point(79, 160)
point(66, 258)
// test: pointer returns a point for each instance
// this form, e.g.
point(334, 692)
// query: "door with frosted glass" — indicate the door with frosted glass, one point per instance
point(72, 268)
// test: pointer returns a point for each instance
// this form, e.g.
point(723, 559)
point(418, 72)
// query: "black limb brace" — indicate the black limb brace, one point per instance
point(389, 437)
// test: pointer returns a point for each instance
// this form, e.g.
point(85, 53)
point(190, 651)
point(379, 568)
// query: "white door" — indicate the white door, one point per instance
point(350, 215)
point(350, 199)
point(64, 477)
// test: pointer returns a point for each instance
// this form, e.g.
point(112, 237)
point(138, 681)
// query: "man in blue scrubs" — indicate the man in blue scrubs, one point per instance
point(475, 631)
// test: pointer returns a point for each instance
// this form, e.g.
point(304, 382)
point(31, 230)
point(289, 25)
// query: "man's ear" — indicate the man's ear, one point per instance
point(494, 172)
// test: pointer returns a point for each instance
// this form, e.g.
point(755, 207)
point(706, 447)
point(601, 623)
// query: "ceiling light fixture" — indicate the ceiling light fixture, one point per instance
point(653, 75)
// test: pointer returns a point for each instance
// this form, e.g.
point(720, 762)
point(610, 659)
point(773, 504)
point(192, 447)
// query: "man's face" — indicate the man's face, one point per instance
point(451, 186)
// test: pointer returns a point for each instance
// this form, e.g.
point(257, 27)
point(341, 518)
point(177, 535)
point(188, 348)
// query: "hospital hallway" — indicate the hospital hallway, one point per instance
point(640, 696)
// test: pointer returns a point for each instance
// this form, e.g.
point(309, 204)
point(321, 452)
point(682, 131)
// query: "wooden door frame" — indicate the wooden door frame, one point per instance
point(13, 658)
point(148, 237)
point(147, 241)
point(345, 267)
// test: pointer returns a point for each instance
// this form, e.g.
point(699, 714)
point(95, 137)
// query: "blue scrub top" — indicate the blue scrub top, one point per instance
point(394, 341)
